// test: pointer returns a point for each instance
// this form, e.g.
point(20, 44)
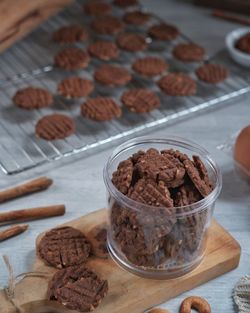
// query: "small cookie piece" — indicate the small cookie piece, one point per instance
point(63, 247)
point(178, 84)
point(200, 166)
point(243, 44)
point(140, 100)
point(98, 238)
point(136, 17)
point(75, 87)
point(189, 52)
point(97, 8)
point(103, 50)
point(33, 98)
point(107, 25)
point(72, 59)
point(55, 126)
point(77, 288)
point(112, 75)
point(122, 177)
point(101, 109)
point(70, 34)
point(163, 32)
point(212, 73)
point(150, 66)
point(186, 195)
point(125, 3)
point(132, 42)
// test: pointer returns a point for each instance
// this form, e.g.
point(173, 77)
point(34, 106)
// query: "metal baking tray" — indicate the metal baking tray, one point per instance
point(30, 62)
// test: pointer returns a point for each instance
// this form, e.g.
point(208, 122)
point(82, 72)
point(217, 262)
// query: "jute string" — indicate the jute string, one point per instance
point(241, 294)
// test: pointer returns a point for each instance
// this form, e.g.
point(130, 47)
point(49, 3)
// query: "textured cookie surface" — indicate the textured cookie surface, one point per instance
point(163, 32)
point(178, 84)
point(150, 66)
point(33, 98)
point(122, 177)
point(243, 44)
point(75, 87)
point(64, 247)
point(132, 42)
point(189, 52)
point(108, 25)
point(95, 7)
point(212, 73)
point(55, 126)
point(103, 50)
point(140, 100)
point(101, 109)
point(70, 34)
point(136, 17)
point(77, 288)
point(72, 59)
point(112, 75)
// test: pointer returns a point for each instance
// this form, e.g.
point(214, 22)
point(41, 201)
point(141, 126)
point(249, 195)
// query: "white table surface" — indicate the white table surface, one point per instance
point(79, 183)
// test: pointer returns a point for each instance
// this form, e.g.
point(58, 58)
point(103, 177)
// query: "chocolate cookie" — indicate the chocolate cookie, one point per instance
point(98, 238)
point(77, 288)
point(189, 52)
point(136, 17)
point(122, 177)
point(150, 66)
point(163, 32)
point(243, 44)
point(132, 42)
point(212, 73)
point(101, 109)
point(72, 59)
point(75, 87)
point(125, 3)
point(103, 50)
point(33, 98)
point(97, 8)
point(64, 247)
point(55, 126)
point(140, 100)
point(107, 25)
point(178, 84)
point(112, 75)
point(70, 34)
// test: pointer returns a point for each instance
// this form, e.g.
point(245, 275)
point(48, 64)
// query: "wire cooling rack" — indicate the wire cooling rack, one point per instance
point(30, 62)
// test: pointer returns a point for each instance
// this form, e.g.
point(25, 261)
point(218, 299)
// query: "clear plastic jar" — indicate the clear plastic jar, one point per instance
point(165, 242)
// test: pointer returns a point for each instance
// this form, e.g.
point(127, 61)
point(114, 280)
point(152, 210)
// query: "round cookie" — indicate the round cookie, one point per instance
point(107, 25)
point(70, 34)
point(101, 109)
point(112, 75)
point(96, 8)
point(189, 52)
point(33, 98)
point(55, 126)
point(136, 17)
point(64, 247)
point(75, 87)
point(163, 32)
point(178, 84)
point(243, 44)
point(103, 50)
point(72, 59)
point(150, 66)
point(140, 100)
point(212, 73)
point(132, 42)
point(77, 288)
point(125, 3)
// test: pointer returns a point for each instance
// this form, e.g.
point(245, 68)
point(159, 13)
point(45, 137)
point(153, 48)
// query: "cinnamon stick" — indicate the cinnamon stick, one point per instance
point(34, 185)
point(32, 214)
point(230, 17)
point(12, 231)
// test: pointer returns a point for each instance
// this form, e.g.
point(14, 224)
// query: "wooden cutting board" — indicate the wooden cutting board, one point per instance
point(127, 292)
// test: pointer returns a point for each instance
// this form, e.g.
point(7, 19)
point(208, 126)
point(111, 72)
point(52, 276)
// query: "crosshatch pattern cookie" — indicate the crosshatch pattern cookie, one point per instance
point(75, 87)
point(140, 100)
point(150, 66)
point(55, 126)
point(64, 247)
point(77, 288)
point(107, 25)
point(125, 3)
point(72, 59)
point(101, 109)
point(178, 84)
point(95, 7)
point(189, 52)
point(132, 42)
point(212, 73)
point(136, 17)
point(163, 32)
point(112, 75)
point(70, 34)
point(103, 50)
point(33, 98)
